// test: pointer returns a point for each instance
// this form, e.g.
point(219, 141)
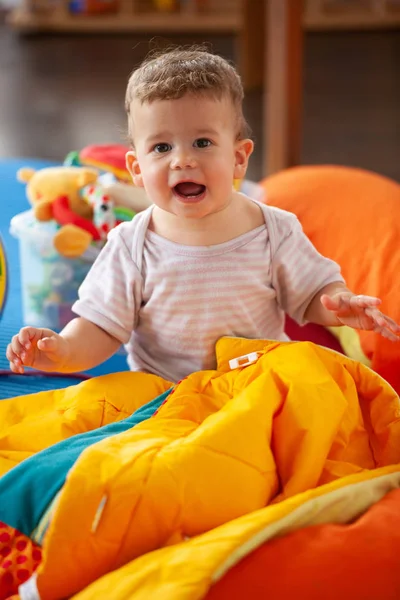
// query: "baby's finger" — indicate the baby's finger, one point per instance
point(10, 354)
point(14, 360)
point(26, 336)
point(381, 326)
point(377, 317)
point(364, 301)
point(393, 326)
point(16, 368)
point(383, 320)
point(386, 333)
point(47, 344)
point(331, 303)
point(16, 345)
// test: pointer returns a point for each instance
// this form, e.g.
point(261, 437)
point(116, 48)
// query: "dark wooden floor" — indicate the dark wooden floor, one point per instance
point(59, 93)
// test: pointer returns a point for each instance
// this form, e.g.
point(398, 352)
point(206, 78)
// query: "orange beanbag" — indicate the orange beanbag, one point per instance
point(353, 217)
point(359, 561)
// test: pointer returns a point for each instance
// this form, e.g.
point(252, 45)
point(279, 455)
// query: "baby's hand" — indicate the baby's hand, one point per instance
point(41, 349)
point(361, 312)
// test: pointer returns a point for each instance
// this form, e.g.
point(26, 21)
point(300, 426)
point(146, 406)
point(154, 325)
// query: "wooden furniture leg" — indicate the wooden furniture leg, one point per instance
point(251, 42)
point(282, 106)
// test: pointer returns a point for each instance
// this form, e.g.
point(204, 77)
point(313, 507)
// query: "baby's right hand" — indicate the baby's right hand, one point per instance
point(41, 349)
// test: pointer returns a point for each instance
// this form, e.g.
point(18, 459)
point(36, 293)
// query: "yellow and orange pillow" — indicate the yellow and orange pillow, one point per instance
point(357, 561)
point(352, 216)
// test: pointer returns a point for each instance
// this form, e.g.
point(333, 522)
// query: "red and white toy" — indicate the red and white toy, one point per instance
point(104, 218)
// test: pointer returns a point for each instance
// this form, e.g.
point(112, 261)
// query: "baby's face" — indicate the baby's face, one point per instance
point(186, 153)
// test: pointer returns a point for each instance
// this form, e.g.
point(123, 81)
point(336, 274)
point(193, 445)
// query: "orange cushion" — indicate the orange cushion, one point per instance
point(353, 217)
point(359, 561)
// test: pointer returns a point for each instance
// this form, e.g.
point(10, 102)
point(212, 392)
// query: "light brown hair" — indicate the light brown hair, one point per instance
point(175, 73)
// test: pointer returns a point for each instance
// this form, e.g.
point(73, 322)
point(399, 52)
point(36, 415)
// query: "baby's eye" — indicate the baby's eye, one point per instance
point(162, 148)
point(202, 143)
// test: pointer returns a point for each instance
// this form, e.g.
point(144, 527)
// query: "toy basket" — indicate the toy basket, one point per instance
point(49, 281)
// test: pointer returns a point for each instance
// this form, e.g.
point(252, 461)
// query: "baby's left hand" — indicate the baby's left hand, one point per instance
point(361, 312)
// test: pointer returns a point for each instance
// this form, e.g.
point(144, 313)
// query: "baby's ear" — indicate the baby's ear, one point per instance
point(243, 151)
point(133, 167)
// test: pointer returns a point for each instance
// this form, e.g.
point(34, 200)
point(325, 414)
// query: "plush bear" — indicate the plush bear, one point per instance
point(45, 185)
point(55, 193)
point(77, 197)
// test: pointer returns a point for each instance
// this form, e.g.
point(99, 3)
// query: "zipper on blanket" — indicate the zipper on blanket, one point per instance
point(99, 513)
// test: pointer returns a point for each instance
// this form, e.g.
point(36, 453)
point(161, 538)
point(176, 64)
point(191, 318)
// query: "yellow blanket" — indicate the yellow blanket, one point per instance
point(234, 457)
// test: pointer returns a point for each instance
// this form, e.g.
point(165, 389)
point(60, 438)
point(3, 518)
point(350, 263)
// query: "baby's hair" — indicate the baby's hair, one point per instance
point(172, 74)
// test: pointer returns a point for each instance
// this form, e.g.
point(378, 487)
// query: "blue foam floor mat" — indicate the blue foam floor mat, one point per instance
point(13, 201)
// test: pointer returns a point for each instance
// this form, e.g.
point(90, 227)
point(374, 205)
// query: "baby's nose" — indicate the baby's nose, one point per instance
point(183, 160)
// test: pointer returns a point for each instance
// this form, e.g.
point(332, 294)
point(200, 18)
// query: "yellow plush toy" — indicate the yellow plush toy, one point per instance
point(54, 193)
point(64, 194)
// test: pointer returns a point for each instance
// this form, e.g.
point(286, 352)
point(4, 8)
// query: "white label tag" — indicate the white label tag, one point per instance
point(245, 360)
point(29, 590)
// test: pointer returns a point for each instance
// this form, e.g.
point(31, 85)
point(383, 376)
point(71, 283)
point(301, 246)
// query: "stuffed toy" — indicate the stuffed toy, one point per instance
point(85, 204)
point(107, 212)
point(104, 218)
point(55, 193)
point(110, 159)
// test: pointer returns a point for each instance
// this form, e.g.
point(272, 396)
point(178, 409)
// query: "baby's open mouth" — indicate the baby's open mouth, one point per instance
point(189, 189)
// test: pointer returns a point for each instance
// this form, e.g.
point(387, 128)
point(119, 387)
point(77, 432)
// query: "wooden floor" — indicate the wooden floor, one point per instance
point(60, 93)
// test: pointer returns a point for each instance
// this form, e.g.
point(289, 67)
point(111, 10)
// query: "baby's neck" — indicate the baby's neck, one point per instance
point(240, 216)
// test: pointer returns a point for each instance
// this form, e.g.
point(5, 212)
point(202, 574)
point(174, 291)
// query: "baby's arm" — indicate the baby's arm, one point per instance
point(336, 305)
point(316, 311)
point(81, 345)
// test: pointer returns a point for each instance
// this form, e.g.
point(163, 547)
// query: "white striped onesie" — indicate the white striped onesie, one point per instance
point(170, 303)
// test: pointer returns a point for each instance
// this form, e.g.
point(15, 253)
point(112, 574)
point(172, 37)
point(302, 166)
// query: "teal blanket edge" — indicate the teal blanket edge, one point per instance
point(28, 489)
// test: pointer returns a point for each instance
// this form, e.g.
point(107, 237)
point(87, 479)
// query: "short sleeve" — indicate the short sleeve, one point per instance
point(299, 271)
point(110, 295)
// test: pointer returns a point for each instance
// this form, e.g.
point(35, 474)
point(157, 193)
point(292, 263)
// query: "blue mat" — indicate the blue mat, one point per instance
point(12, 201)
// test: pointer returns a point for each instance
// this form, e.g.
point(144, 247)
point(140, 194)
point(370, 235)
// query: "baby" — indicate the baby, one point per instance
point(204, 261)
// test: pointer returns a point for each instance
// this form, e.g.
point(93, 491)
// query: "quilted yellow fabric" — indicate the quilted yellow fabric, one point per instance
point(227, 446)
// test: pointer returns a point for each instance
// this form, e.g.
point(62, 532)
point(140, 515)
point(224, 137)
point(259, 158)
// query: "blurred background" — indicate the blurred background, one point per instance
point(322, 77)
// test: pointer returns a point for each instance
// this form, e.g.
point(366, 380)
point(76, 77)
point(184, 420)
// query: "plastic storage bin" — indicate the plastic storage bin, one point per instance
point(49, 281)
